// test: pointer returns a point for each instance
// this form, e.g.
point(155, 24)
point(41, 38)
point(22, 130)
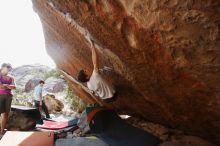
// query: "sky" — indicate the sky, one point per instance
point(21, 35)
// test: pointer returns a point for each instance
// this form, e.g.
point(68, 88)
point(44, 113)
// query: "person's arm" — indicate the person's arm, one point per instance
point(2, 86)
point(12, 86)
point(41, 97)
point(94, 57)
point(92, 92)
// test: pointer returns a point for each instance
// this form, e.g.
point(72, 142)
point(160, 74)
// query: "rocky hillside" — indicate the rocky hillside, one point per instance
point(25, 73)
point(55, 89)
point(164, 53)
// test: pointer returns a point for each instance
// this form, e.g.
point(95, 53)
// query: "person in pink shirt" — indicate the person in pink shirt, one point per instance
point(6, 85)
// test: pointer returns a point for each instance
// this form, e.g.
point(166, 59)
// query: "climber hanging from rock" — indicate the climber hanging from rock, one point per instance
point(96, 83)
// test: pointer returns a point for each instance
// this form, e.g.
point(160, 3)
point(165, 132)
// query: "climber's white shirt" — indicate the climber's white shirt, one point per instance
point(100, 86)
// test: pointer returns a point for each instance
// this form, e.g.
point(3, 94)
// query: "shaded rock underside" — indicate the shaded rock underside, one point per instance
point(165, 55)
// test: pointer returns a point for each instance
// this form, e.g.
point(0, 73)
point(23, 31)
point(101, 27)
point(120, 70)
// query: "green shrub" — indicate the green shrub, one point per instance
point(22, 98)
point(72, 99)
point(53, 73)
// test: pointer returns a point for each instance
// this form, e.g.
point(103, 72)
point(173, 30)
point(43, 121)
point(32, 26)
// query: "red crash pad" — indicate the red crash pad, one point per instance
point(53, 125)
point(13, 138)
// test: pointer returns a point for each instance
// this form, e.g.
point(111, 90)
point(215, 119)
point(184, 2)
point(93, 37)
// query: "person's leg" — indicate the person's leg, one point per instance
point(5, 115)
point(44, 108)
point(2, 110)
point(114, 98)
point(4, 121)
point(36, 104)
point(1, 131)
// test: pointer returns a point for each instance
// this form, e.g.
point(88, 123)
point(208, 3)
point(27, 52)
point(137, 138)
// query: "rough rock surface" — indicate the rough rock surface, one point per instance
point(23, 120)
point(168, 136)
point(53, 104)
point(25, 73)
point(188, 141)
point(165, 55)
point(55, 85)
point(28, 76)
point(31, 84)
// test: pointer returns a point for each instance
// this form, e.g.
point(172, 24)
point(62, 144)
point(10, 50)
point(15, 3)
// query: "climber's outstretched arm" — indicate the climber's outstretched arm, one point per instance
point(94, 57)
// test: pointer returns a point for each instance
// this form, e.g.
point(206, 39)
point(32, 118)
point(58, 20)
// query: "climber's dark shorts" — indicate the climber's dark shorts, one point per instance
point(114, 98)
point(5, 103)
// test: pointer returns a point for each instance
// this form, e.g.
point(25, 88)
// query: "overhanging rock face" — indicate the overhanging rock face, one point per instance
point(165, 55)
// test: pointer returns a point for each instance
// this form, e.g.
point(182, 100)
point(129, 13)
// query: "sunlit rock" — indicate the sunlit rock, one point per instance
point(53, 104)
point(164, 53)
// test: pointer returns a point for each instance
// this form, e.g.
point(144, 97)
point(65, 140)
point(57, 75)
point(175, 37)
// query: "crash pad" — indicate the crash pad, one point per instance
point(81, 141)
point(87, 116)
point(56, 125)
point(14, 138)
point(110, 128)
point(22, 108)
point(69, 120)
point(64, 130)
point(53, 125)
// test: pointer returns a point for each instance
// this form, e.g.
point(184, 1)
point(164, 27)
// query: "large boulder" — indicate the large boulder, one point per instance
point(31, 84)
point(52, 85)
point(55, 85)
point(53, 104)
point(25, 73)
point(187, 141)
point(23, 118)
point(164, 53)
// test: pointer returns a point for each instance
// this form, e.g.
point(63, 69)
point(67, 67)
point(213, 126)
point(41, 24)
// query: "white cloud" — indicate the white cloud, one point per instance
point(21, 34)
